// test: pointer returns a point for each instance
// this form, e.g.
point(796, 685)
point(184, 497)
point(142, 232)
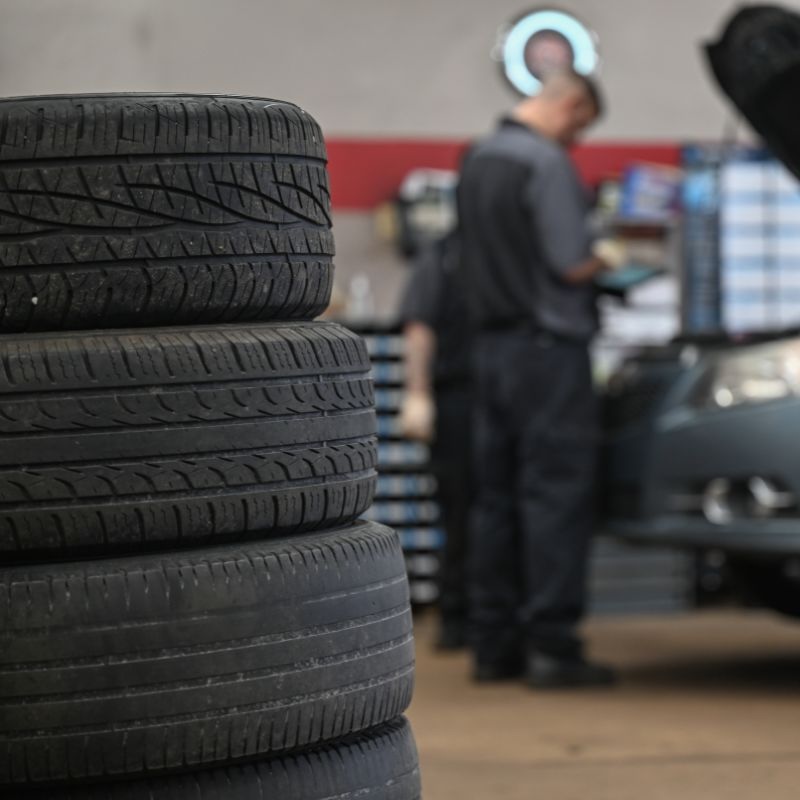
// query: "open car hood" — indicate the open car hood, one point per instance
point(757, 63)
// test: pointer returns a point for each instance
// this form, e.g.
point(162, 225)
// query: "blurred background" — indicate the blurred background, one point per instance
point(394, 86)
point(710, 677)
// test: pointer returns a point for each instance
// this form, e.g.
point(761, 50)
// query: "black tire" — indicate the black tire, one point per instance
point(168, 661)
point(136, 210)
point(124, 440)
point(379, 765)
point(774, 584)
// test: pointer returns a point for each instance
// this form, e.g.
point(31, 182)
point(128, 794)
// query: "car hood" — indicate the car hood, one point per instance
point(756, 61)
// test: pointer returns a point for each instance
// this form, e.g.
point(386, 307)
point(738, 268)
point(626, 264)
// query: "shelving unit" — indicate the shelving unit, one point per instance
point(741, 231)
point(625, 579)
point(404, 498)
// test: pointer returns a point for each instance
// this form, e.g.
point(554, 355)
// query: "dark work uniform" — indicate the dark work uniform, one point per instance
point(435, 297)
point(523, 216)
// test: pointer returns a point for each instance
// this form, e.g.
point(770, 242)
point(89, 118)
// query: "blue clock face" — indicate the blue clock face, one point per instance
point(546, 40)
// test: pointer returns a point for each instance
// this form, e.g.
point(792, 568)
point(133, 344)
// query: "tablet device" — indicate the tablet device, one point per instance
point(626, 278)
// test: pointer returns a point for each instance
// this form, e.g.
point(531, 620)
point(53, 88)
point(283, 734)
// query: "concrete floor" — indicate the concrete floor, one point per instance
point(708, 707)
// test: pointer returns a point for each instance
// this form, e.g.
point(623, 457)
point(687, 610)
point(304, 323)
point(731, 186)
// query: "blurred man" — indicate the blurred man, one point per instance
point(529, 266)
point(437, 409)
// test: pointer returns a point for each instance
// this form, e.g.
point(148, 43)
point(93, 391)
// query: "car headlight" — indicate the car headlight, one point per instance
point(757, 374)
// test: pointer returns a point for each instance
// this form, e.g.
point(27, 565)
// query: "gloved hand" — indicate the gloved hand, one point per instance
point(612, 252)
point(418, 416)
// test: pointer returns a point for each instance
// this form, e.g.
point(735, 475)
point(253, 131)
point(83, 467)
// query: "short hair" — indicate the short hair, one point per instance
point(554, 84)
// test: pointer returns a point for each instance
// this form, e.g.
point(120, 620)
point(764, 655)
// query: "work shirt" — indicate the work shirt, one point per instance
point(524, 220)
point(435, 296)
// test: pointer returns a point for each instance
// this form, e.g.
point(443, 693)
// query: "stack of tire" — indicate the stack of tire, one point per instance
point(189, 607)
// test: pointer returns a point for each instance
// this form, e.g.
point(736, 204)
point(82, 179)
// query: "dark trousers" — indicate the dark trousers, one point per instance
point(451, 464)
point(535, 432)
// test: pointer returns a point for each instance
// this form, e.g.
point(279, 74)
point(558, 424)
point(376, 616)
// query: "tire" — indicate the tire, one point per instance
point(379, 765)
point(178, 660)
point(140, 210)
point(774, 584)
point(127, 440)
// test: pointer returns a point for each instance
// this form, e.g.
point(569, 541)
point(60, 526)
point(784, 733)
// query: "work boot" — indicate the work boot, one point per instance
point(498, 671)
point(501, 664)
point(499, 654)
point(546, 671)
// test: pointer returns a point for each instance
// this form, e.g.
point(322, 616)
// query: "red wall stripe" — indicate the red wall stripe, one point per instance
point(367, 172)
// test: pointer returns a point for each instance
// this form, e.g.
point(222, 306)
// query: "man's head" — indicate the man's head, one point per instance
point(567, 104)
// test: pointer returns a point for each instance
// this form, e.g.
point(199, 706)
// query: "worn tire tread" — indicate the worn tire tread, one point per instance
point(381, 764)
point(178, 660)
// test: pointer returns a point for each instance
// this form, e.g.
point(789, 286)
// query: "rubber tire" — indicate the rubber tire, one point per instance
point(138, 210)
point(766, 582)
point(381, 764)
point(168, 661)
point(125, 440)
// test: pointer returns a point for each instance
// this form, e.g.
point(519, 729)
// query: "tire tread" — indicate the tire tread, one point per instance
point(126, 210)
point(163, 662)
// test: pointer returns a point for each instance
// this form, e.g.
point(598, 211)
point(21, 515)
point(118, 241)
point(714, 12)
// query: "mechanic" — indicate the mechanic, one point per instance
point(528, 265)
point(437, 409)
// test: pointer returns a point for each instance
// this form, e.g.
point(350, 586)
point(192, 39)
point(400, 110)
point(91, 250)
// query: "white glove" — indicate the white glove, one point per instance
point(418, 416)
point(612, 252)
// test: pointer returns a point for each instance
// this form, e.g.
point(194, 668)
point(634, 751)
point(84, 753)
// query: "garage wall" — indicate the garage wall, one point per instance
point(366, 67)
point(380, 71)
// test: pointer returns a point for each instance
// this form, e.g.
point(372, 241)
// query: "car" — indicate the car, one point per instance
point(699, 453)
point(700, 443)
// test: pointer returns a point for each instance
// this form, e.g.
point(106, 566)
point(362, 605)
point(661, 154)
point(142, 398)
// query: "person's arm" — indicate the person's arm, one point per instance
point(418, 412)
point(586, 271)
point(420, 349)
point(419, 312)
point(559, 212)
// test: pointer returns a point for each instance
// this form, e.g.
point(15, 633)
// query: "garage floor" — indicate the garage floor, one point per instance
point(708, 707)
